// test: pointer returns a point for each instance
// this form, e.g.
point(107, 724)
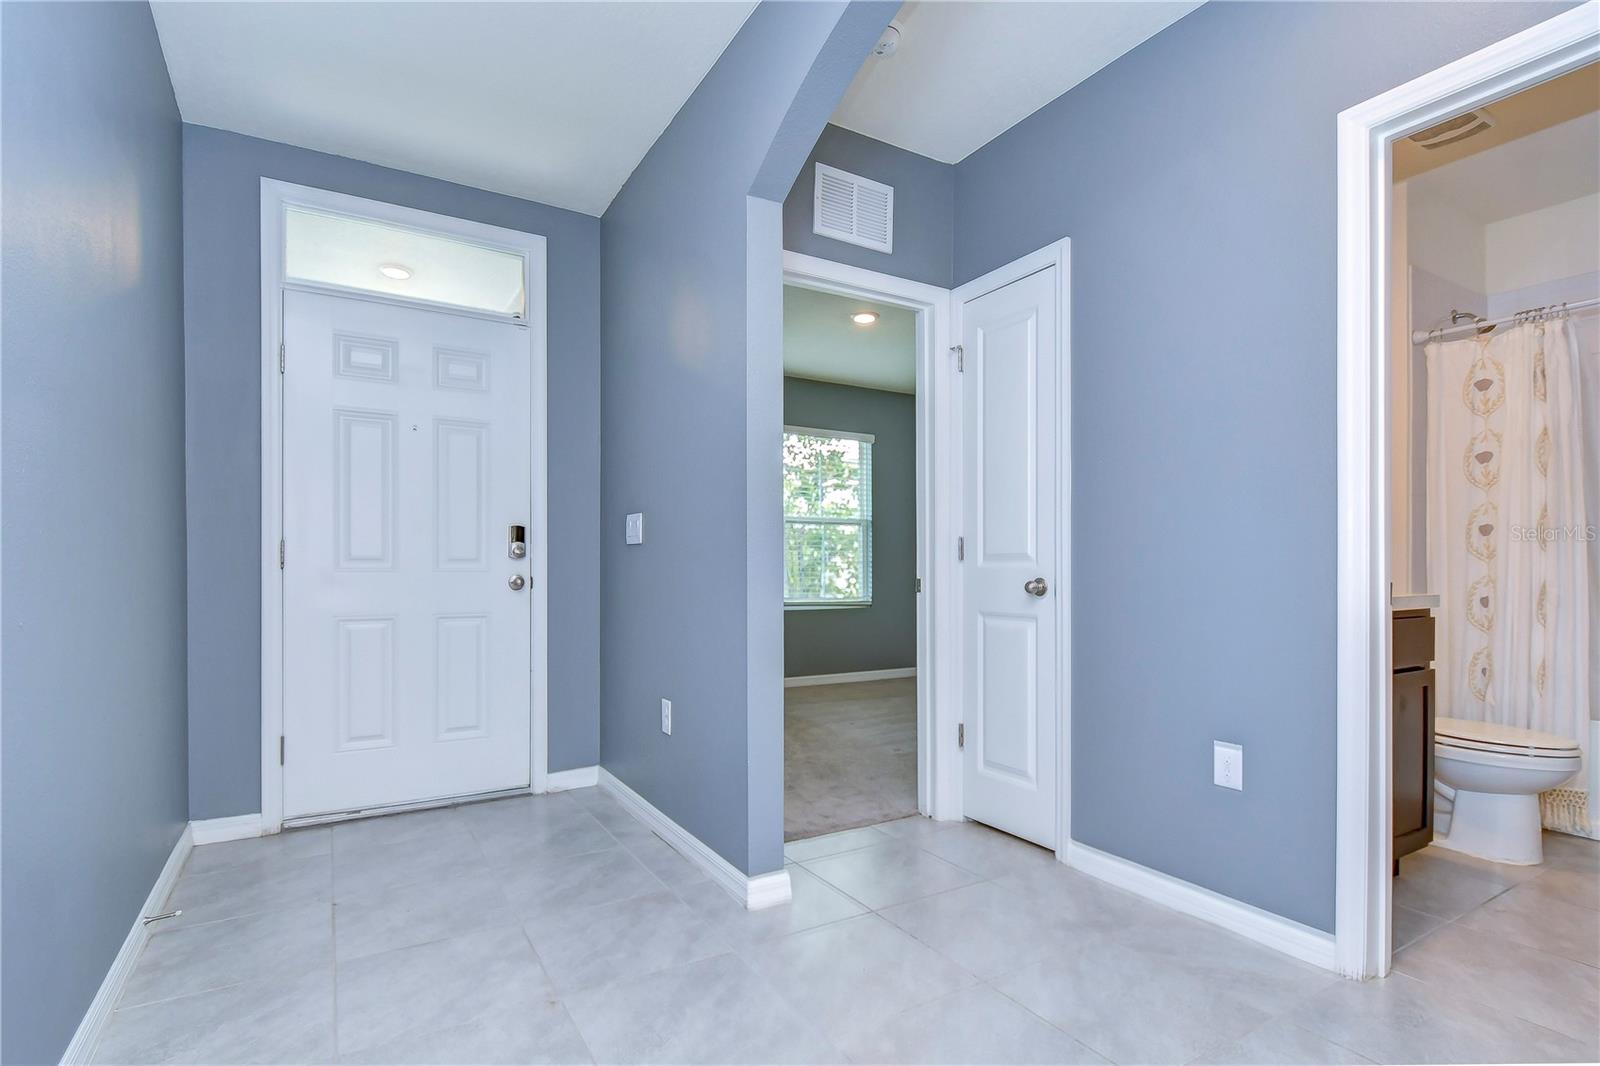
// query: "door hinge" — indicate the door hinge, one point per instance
point(961, 549)
point(919, 584)
point(280, 750)
point(281, 554)
point(280, 357)
point(961, 735)
point(961, 358)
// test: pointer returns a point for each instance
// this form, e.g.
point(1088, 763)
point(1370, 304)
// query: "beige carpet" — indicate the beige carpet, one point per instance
point(849, 756)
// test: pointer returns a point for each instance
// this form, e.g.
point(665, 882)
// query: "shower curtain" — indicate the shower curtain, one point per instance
point(1508, 537)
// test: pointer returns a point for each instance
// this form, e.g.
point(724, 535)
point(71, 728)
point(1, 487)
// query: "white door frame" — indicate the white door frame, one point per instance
point(1059, 255)
point(276, 196)
point(938, 628)
point(1363, 845)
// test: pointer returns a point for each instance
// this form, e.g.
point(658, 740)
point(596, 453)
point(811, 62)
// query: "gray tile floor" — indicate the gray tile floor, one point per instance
point(558, 929)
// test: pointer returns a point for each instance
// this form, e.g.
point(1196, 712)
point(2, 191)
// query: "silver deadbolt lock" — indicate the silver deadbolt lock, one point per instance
point(516, 541)
point(516, 581)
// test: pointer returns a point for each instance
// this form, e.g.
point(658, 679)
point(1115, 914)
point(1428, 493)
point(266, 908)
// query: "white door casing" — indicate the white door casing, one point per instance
point(406, 457)
point(1011, 479)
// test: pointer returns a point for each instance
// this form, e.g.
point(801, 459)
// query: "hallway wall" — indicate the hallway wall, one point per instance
point(222, 175)
point(692, 395)
point(924, 208)
point(1195, 176)
point(95, 791)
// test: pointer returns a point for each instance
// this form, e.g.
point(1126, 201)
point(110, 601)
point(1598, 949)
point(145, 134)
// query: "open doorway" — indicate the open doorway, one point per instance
point(1494, 460)
point(1466, 460)
point(851, 582)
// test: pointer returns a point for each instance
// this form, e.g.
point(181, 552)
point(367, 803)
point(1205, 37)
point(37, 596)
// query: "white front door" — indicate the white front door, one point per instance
point(1009, 393)
point(406, 459)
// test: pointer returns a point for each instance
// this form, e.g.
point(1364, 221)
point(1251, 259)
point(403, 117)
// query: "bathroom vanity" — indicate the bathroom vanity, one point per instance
point(1413, 723)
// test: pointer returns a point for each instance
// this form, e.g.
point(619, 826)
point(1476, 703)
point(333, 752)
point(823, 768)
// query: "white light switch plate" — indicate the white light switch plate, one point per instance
point(1227, 765)
point(635, 528)
point(666, 717)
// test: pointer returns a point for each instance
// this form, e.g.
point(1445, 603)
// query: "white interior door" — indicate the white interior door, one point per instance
point(406, 459)
point(1010, 447)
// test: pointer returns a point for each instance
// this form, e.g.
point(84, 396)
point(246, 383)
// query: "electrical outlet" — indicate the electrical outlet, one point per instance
point(666, 717)
point(633, 528)
point(1227, 765)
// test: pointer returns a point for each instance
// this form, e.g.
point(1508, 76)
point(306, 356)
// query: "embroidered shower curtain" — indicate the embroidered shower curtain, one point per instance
point(1508, 530)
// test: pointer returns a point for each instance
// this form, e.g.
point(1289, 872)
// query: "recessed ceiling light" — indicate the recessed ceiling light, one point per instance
point(864, 318)
point(394, 271)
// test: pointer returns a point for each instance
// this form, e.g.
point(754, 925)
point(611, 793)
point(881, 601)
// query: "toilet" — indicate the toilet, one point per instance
point(1497, 773)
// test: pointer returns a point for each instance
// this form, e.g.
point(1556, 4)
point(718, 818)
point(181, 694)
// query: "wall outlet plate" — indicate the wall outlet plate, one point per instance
point(666, 717)
point(1227, 765)
point(634, 528)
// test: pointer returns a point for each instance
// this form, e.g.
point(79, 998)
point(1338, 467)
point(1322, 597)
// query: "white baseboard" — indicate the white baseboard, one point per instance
point(81, 1049)
point(1253, 923)
point(578, 777)
point(763, 890)
point(219, 830)
point(846, 679)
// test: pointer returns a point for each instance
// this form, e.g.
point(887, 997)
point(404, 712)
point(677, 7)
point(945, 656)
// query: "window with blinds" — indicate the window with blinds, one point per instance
point(827, 518)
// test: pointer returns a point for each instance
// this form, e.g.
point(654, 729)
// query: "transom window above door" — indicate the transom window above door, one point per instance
point(369, 255)
point(827, 518)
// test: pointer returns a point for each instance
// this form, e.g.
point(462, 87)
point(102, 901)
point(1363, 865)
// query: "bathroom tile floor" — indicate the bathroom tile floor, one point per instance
point(558, 929)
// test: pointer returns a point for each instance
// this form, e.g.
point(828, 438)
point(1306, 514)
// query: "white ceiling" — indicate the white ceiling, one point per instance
point(1553, 166)
point(966, 72)
point(554, 102)
point(821, 343)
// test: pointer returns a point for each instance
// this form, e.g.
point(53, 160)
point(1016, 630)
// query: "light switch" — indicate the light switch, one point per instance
point(666, 717)
point(635, 528)
point(1227, 765)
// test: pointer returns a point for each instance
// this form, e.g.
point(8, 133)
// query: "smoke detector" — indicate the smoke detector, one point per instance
point(888, 42)
point(1454, 129)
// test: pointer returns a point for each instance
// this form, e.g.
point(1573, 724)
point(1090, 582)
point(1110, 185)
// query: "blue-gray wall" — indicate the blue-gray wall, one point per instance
point(1195, 176)
point(222, 175)
point(692, 396)
point(924, 208)
point(884, 635)
point(95, 793)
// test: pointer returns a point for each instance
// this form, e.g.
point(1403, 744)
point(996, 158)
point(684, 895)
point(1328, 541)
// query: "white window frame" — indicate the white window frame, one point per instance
point(276, 198)
point(867, 553)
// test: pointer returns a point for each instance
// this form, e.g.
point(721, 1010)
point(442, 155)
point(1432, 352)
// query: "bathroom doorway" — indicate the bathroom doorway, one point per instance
point(1495, 455)
point(1468, 379)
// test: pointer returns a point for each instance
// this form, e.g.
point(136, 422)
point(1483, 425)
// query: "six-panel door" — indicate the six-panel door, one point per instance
point(407, 457)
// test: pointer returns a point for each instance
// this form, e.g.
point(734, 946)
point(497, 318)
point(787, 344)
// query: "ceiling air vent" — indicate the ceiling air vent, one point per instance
point(1452, 130)
point(854, 209)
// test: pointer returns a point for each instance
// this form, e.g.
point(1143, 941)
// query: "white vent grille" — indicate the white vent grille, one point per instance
point(853, 209)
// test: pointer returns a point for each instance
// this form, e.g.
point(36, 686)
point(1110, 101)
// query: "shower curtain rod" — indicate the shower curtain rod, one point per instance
point(1422, 336)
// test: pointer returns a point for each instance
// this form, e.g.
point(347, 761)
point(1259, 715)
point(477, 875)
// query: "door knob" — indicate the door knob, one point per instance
point(1036, 587)
point(516, 581)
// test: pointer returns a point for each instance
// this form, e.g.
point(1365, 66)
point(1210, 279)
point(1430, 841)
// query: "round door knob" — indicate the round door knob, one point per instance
point(516, 581)
point(1036, 587)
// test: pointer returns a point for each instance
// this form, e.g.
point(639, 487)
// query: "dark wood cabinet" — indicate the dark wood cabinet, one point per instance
point(1413, 705)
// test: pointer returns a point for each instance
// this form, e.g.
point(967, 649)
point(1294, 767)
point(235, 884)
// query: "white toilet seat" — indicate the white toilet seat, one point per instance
point(1504, 739)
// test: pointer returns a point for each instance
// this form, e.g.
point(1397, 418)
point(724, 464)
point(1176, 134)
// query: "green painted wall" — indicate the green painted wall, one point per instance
point(883, 636)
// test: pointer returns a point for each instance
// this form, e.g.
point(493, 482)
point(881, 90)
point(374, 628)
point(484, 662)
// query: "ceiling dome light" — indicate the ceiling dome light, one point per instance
point(864, 318)
point(395, 272)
